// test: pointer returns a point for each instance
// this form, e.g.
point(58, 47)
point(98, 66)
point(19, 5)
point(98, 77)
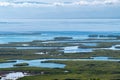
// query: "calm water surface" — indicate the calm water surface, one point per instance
point(37, 62)
point(43, 24)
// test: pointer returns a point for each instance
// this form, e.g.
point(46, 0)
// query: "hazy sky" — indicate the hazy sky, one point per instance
point(59, 9)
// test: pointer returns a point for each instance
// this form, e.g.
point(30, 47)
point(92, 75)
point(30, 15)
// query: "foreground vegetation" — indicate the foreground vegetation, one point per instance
point(13, 54)
point(74, 70)
point(81, 70)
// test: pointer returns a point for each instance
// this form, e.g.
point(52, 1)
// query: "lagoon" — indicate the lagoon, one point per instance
point(32, 63)
point(39, 62)
point(27, 46)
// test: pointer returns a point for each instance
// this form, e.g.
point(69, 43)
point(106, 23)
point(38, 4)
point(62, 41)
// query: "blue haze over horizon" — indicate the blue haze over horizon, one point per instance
point(60, 9)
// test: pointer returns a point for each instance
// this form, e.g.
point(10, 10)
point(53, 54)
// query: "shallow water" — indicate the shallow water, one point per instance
point(33, 63)
point(40, 26)
point(89, 44)
point(37, 62)
point(75, 49)
point(111, 48)
point(79, 50)
point(100, 58)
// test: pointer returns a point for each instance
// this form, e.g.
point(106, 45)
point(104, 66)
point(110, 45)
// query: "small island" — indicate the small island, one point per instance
point(21, 64)
point(63, 38)
point(6, 61)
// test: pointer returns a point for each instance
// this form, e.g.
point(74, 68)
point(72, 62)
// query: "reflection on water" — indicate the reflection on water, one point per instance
point(75, 49)
point(78, 50)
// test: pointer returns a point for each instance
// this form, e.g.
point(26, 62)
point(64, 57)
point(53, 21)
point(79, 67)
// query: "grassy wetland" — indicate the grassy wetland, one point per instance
point(56, 49)
point(82, 70)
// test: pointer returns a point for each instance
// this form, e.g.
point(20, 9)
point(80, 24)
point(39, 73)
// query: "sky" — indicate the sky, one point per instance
point(59, 9)
point(44, 9)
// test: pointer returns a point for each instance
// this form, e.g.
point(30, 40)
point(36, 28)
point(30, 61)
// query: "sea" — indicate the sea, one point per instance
point(20, 30)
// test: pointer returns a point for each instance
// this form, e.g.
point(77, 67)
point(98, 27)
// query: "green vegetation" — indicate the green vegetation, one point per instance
point(100, 45)
point(74, 70)
point(62, 38)
point(82, 70)
point(21, 64)
point(93, 35)
point(6, 61)
point(13, 54)
point(117, 47)
point(105, 36)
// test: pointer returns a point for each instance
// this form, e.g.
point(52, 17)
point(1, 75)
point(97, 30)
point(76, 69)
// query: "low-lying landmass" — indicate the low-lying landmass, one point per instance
point(55, 49)
point(80, 70)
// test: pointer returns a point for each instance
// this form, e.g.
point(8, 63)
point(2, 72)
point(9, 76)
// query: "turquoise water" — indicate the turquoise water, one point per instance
point(37, 62)
point(34, 47)
point(47, 29)
point(32, 63)
point(49, 35)
point(25, 38)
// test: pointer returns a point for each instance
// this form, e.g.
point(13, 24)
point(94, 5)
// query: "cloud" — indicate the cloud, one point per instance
point(96, 2)
point(45, 4)
point(4, 3)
